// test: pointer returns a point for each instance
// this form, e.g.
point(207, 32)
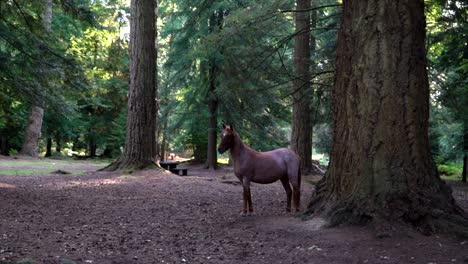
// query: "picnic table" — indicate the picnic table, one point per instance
point(172, 167)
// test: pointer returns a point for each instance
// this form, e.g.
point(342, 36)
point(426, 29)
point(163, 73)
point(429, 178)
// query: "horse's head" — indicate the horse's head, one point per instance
point(227, 139)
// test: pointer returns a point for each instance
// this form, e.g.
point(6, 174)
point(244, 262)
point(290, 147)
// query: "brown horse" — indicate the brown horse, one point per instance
point(262, 167)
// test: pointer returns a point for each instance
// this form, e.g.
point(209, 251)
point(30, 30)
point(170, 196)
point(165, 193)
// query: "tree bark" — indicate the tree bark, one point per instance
point(465, 150)
point(58, 145)
point(48, 147)
point(301, 136)
point(216, 22)
point(32, 133)
point(92, 146)
point(381, 169)
point(3, 145)
point(141, 118)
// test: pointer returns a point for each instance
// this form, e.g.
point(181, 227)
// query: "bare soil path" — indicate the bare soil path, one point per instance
point(157, 217)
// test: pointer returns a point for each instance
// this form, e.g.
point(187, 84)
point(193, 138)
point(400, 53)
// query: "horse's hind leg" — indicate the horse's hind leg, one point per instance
point(287, 188)
point(295, 180)
point(297, 198)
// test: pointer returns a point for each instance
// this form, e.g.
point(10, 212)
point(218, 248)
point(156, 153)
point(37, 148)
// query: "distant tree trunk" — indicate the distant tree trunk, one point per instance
point(58, 146)
point(301, 136)
point(48, 147)
point(465, 151)
point(140, 140)
point(212, 157)
point(4, 145)
point(164, 139)
point(92, 147)
point(75, 144)
point(216, 22)
point(32, 133)
point(381, 169)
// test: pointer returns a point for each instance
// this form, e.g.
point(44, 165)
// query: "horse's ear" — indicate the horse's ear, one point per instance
point(224, 126)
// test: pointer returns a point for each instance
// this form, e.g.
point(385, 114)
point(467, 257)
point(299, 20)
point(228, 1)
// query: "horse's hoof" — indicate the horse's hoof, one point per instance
point(243, 214)
point(250, 214)
point(288, 209)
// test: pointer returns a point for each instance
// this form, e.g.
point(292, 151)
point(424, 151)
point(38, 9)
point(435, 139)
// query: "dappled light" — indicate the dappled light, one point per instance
point(6, 185)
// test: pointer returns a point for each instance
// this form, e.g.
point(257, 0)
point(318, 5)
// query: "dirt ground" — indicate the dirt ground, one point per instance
point(157, 217)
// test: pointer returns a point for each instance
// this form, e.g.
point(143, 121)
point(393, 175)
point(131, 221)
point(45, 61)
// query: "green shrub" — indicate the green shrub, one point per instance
point(450, 171)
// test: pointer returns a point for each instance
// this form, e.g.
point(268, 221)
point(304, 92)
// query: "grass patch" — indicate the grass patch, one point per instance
point(35, 171)
point(48, 166)
point(312, 181)
point(450, 171)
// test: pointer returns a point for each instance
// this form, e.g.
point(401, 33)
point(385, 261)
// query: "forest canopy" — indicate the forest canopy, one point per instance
point(218, 61)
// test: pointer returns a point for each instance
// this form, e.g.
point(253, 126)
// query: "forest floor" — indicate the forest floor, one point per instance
point(157, 217)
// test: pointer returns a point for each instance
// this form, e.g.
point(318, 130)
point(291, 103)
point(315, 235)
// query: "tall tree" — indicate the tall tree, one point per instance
point(301, 137)
point(381, 167)
point(140, 143)
point(215, 25)
point(33, 128)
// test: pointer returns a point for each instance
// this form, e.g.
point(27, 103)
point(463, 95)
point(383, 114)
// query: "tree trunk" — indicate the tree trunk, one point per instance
point(92, 146)
point(164, 139)
point(216, 22)
point(301, 137)
point(381, 169)
point(58, 146)
point(141, 118)
point(48, 147)
point(4, 145)
point(212, 157)
point(465, 150)
point(33, 132)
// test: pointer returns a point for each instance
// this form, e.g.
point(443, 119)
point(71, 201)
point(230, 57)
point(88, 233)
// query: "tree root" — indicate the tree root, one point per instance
point(129, 165)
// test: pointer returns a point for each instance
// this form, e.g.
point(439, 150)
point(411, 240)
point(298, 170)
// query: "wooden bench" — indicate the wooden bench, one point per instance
point(172, 167)
point(179, 171)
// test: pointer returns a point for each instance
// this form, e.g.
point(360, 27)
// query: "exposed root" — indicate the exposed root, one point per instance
point(128, 165)
point(426, 214)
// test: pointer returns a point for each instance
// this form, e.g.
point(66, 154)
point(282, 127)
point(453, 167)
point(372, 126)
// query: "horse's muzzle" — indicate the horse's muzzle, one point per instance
point(221, 151)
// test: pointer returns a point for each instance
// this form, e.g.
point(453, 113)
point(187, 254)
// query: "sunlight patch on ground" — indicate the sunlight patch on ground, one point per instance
point(315, 223)
point(96, 182)
point(6, 185)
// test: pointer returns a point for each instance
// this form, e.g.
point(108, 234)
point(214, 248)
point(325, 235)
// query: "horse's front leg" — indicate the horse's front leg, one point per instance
point(247, 197)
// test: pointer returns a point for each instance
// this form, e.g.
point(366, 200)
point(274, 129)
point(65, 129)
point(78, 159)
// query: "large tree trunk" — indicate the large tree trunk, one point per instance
point(32, 133)
point(301, 137)
point(140, 140)
point(381, 169)
point(216, 22)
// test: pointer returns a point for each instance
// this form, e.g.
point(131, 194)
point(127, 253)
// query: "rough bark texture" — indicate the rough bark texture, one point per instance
point(212, 157)
point(140, 139)
point(33, 132)
point(216, 22)
point(48, 147)
point(58, 143)
point(465, 151)
point(381, 168)
point(301, 136)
